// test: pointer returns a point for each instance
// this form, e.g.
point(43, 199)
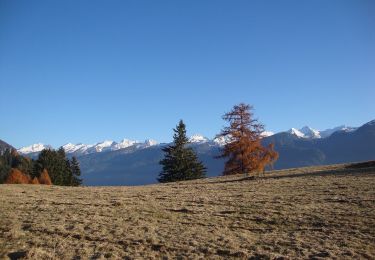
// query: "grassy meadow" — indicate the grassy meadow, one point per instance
point(314, 212)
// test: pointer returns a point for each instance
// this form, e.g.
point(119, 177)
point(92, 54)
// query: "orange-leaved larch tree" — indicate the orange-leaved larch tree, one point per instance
point(34, 181)
point(243, 146)
point(44, 178)
point(17, 177)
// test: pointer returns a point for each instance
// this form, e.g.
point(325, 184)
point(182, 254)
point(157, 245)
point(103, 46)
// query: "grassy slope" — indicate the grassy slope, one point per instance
point(299, 213)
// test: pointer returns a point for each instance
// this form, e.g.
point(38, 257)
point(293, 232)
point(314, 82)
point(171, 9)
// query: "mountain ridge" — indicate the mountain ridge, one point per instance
point(109, 145)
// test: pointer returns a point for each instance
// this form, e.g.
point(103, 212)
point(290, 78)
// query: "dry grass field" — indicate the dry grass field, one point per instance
point(308, 213)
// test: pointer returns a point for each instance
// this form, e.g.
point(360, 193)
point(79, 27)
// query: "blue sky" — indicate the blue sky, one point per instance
point(85, 71)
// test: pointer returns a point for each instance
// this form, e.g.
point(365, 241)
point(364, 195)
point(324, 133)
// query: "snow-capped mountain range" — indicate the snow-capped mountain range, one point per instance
point(81, 149)
point(33, 148)
point(108, 145)
point(308, 132)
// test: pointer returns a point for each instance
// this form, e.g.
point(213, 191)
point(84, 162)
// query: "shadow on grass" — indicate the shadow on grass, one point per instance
point(17, 255)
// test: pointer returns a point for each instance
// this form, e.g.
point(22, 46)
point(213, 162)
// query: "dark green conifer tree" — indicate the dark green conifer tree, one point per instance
point(76, 172)
point(69, 173)
point(180, 162)
point(57, 165)
point(5, 164)
point(52, 161)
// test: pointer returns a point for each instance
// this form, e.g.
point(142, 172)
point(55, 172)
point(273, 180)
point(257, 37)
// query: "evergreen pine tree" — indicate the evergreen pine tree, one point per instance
point(69, 173)
point(58, 167)
point(180, 162)
point(76, 172)
point(5, 165)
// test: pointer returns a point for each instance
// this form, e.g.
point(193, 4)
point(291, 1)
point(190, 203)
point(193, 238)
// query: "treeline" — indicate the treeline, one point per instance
point(60, 169)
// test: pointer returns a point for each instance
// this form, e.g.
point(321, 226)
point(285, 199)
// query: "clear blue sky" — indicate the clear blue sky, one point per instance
point(85, 71)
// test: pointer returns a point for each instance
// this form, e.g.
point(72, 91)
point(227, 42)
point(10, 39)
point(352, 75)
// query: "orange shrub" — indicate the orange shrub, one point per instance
point(44, 178)
point(17, 177)
point(35, 181)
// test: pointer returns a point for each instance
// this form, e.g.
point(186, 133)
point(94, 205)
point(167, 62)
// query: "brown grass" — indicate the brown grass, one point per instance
point(316, 212)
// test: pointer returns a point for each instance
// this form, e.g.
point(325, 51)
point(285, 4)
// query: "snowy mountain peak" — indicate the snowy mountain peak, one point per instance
point(69, 147)
point(103, 146)
point(76, 148)
point(197, 138)
point(267, 133)
point(296, 132)
point(305, 132)
point(221, 140)
point(151, 142)
point(105, 143)
point(309, 132)
point(34, 148)
point(123, 144)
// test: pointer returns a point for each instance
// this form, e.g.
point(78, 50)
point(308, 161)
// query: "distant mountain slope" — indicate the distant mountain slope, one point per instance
point(342, 146)
point(294, 151)
point(137, 167)
point(4, 146)
point(356, 145)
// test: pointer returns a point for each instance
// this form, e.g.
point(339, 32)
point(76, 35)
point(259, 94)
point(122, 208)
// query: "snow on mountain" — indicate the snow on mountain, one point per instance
point(69, 147)
point(267, 133)
point(77, 148)
point(198, 139)
point(328, 132)
point(101, 147)
point(81, 149)
point(123, 144)
point(106, 146)
point(296, 132)
point(147, 143)
point(308, 132)
point(34, 148)
point(221, 141)
point(150, 142)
